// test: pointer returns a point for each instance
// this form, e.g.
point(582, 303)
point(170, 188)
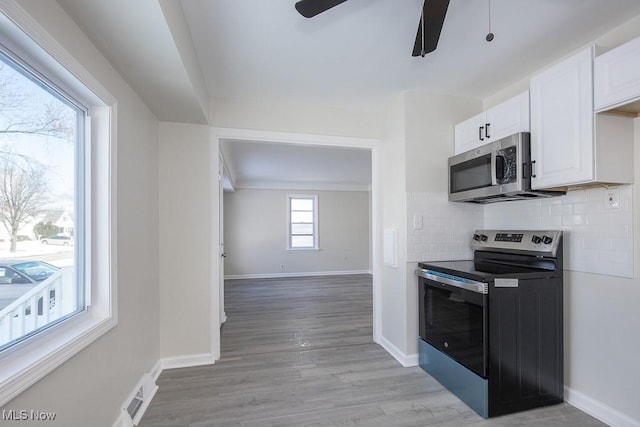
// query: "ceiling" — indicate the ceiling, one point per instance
point(178, 55)
point(359, 53)
point(257, 164)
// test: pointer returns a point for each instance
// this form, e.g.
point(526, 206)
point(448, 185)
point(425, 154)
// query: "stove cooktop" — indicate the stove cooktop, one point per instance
point(484, 271)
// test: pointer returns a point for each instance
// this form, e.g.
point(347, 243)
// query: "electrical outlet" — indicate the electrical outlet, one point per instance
point(281, 266)
point(611, 198)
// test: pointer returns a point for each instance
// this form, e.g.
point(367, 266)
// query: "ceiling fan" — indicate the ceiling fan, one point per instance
point(429, 27)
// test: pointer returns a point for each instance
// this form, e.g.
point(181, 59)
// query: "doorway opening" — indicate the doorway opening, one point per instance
point(295, 143)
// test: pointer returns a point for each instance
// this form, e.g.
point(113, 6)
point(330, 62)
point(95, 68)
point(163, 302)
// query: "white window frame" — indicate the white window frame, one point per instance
point(27, 362)
point(316, 244)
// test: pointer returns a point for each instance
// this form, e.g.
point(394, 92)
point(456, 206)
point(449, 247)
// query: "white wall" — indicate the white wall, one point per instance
point(282, 116)
point(429, 142)
point(255, 233)
point(445, 226)
point(393, 296)
point(417, 137)
point(90, 387)
point(186, 231)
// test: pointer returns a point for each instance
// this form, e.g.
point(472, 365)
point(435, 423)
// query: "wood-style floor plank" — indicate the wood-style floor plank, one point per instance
point(299, 352)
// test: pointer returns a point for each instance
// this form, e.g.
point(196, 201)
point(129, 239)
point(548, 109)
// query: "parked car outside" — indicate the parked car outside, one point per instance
point(57, 240)
point(18, 277)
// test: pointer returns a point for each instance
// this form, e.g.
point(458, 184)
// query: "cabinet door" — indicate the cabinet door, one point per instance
point(470, 134)
point(562, 123)
point(617, 76)
point(509, 117)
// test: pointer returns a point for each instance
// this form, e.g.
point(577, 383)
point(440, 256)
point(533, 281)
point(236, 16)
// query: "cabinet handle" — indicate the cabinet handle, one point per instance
point(486, 130)
point(533, 164)
point(480, 133)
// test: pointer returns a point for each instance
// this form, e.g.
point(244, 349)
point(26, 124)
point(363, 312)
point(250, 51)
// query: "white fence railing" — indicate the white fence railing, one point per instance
point(45, 303)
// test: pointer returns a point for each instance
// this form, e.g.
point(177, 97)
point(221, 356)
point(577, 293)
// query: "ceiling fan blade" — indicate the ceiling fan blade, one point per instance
point(433, 12)
point(310, 8)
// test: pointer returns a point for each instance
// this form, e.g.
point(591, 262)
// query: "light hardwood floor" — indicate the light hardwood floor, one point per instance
point(299, 352)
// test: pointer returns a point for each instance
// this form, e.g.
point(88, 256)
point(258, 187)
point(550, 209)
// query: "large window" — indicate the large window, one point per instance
point(41, 187)
point(57, 210)
point(303, 221)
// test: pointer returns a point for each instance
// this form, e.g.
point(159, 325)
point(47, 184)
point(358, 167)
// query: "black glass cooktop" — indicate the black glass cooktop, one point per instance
point(484, 271)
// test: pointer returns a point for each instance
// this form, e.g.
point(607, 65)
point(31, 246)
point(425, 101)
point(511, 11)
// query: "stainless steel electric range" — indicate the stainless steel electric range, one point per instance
point(491, 328)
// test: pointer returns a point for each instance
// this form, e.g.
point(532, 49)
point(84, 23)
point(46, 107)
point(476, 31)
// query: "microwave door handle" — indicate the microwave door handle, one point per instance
point(494, 178)
point(500, 168)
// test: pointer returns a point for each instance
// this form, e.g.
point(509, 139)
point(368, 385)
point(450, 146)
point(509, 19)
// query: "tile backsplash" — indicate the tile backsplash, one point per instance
point(596, 240)
point(439, 230)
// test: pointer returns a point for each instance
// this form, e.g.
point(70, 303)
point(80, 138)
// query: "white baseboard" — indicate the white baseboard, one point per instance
point(301, 274)
point(187, 361)
point(404, 359)
point(412, 360)
point(156, 370)
point(598, 410)
point(123, 420)
point(148, 381)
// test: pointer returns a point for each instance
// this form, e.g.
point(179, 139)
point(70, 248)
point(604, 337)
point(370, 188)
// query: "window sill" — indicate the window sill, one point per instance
point(303, 249)
point(26, 363)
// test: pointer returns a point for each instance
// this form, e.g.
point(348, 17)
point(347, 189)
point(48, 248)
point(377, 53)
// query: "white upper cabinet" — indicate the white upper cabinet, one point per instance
point(564, 147)
point(507, 118)
point(470, 133)
point(617, 76)
point(562, 123)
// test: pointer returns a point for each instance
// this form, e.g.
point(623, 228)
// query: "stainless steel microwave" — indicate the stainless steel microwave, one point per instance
point(494, 172)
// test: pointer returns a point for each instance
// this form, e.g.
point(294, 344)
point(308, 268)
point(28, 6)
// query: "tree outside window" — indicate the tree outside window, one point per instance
point(39, 137)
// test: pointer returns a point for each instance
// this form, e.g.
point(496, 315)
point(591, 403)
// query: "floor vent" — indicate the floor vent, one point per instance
point(137, 403)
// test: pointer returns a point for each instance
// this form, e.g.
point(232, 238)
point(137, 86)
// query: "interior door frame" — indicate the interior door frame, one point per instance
point(373, 145)
point(220, 226)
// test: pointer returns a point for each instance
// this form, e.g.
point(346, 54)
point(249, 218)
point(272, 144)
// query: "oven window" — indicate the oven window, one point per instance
point(455, 324)
point(474, 173)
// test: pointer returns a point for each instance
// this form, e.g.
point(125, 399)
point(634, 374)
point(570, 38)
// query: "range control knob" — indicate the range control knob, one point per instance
point(476, 237)
point(483, 237)
point(547, 240)
point(536, 239)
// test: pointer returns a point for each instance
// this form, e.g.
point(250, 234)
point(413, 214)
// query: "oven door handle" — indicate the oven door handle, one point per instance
point(469, 285)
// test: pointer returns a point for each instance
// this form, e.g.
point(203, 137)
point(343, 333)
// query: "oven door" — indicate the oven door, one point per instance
point(453, 319)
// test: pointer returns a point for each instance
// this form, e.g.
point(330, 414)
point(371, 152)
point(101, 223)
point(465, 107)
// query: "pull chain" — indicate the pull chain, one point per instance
point(422, 52)
point(490, 35)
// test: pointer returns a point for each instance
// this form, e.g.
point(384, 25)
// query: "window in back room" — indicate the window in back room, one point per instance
point(303, 222)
